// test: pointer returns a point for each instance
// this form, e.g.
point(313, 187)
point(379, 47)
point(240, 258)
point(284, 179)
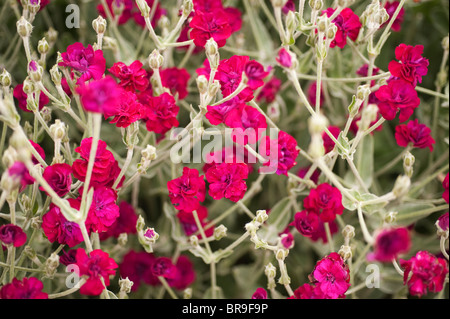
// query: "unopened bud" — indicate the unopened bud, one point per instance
point(122, 240)
point(281, 254)
point(212, 53)
point(35, 71)
point(408, 164)
point(251, 227)
point(51, 35)
point(56, 75)
point(29, 252)
point(99, 25)
point(149, 153)
point(261, 216)
point(316, 4)
point(143, 7)
point(369, 115)
point(24, 28)
point(193, 240)
point(390, 217)
point(220, 232)
point(331, 32)
point(445, 44)
point(273, 111)
point(214, 88)
point(5, 78)
point(348, 232)
point(51, 264)
point(346, 252)
point(46, 113)
point(125, 285)
point(155, 60)
point(317, 124)
point(187, 7)
point(58, 130)
point(43, 46)
point(363, 92)
point(270, 271)
point(28, 86)
point(279, 3)
point(401, 186)
point(202, 84)
point(187, 293)
point(322, 23)
point(316, 148)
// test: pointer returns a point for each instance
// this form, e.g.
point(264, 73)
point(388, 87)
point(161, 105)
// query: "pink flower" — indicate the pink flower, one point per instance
point(307, 223)
point(58, 229)
point(187, 191)
point(229, 155)
point(443, 221)
point(321, 234)
point(255, 73)
point(348, 25)
point(229, 74)
point(127, 111)
point(280, 153)
point(397, 96)
point(234, 15)
point(94, 267)
point(312, 91)
point(100, 96)
point(184, 275)
point(445, 185)
point(132, 77)
point(21, 98)
point(328, 143)
point(137, 266)
point(124, 224)
point(176, 80)
point(42, 3)
point(391, 7)
point(103, 211)
point(68, 257)
point(227, 180)
point(11, 234)
point(160, 113)
point(418, 135)
point(106, 168)
point(85, 62)
point(326, 201)
point(27, 288)
point(59, 177)
point(210, 24)
point(163, 266)
point(217, 114)
point(331, 275)
point(424, 273)
point(248, 124)
point(289, 6)
point(390, 243)
point(412, 66)
point(308, 291)
point(270, 90)
point(284, 58)
point(20, 175)
point(189, 225)
point(113, 5)
point(38, 149)
point(260, 293)
point(314, 176)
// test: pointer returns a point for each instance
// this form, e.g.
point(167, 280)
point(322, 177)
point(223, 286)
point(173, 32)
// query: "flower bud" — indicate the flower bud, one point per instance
point(317, 124)
point(261, 216)
point(187, 7)
point(125, 286)
point(155, 60)
point(220, 232)
point(122, 240)
point(193, 240)
point(363, 92)
point(46, 113)
point(281, 254)
point(5, 78)
point(56, 75)
point(408, 164)
point(24, 28)
point(445, 44)
point(369, 114)
point(273, 111)
point(35, 71)
point(149, 153)
point(390, 217)
point(28, 86)
point(316, 148)
point(348, 232)
point(187, 293)
point(279, 3)
point(99, 25)
point(143, 7)
point(251, 227)
point(323, 23)
point(401, 186)
point(316, 4)
point(51, 264)
point(51, 35)
point(214, 88)
point(43, 46)
point(29, 252)
point(346, 252)
point(270, 271)
point(212, 53)
point(331, 31)
point(9, 156)
point(58, 130)
point(202, 84)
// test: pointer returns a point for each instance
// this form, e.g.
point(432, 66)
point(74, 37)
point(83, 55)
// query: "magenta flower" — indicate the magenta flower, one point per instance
point(137, 266)
point(331, 275)
point(103, 211)
point(312, 91)
point(325, 201)
point(189, 225)
point(85, 62)
point(176, 80)
point(328, 143)
point(59, 177)
point(284, 58)
point(187, 191)
point(229, 74)
point(21, 98)
point(289, 6)
point(27, 288)
point(38, 149)
point(308, 291)
point(306, 223)
point(214, 24)
point(132, 77)
point(94, 267)
point(314, 176)
point(424, 273)
point(397, 96)
point(227, 180)
point(163, 266)
point(158, 13)
point(412, 66)
point(248, 124)
point(100, 96)
point(184, 275)
point(127, 8)
point(443, 221)
point(124, 224)
point(128, 110)
point(415, 134)
point(255, 73)
point(160, 113)
point(281, 153)
point(391, 7)
point(348, 25)
point(390, 243)
point(270, 90)
point(20, 175)
point(234, 15)
point(445, 185)
point(11, 234)
point(217, 114)
point(58, 229)
point(260, 293)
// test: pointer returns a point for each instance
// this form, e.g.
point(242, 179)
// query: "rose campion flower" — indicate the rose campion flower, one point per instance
point(20, 175)
point(389, 243)
point(306, 223)
point(308, 291)
point(348, 25)
point(163, 266)
point(229, 73)
point(12, 235)
point(158, 13)
point(227, 180)
point(210, 24)
point(103, 211)
point(391, 7)
point(255, 74)
point(124, 224)
point(58, 229)
point(328, 143)
point(260, 293)
point(132, 77)
point(95, 267)
point(443, 222)
point(128, 110)
point(189, 225)
point(187, 191)
point(248, 124)
point(126, 13)
point(176, 80)
point(326, 201)
point(184, 275)
point(59, 177)
point(26, 288)
point(284, 58)
point(218, 114)
point(412, 66)
point(397, 96)
point(269, 91)
point(100, 96)
point(160, 113)
point(445, 185)
point(38, 149)
point(84, 61)
point(21, 98)
point(137, 266)
point(415, 134)
point(424, 273)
